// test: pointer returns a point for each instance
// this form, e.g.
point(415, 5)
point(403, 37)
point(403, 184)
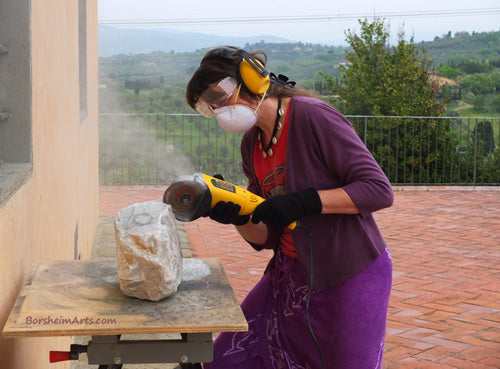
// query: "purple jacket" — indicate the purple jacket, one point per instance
point(324, 152)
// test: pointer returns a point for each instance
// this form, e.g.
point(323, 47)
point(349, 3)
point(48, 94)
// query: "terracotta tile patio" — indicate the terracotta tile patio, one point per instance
point(445, 242)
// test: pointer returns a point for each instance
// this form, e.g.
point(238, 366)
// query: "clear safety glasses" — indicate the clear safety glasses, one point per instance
point(215, 96)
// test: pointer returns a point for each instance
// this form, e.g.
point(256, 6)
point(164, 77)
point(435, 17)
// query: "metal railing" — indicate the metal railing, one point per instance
point(153, 149)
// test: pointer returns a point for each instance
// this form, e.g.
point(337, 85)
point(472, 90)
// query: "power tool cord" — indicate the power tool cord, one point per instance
point(309, 291)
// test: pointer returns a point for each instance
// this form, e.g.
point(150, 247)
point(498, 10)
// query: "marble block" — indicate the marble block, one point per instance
point(148, 251)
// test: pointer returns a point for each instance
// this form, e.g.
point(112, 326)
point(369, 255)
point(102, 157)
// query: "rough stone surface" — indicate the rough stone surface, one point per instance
point(148, 251)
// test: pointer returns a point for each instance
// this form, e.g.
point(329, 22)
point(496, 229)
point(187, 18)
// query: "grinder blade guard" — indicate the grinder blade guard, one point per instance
point(189, 197)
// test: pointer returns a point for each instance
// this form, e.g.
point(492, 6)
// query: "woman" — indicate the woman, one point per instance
point(322, 301)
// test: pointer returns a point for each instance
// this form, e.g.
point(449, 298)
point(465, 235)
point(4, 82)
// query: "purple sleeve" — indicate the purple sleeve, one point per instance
point(346, 158)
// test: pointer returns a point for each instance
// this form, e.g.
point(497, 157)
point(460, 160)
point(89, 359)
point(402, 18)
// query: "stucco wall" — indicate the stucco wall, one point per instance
point(57, 209)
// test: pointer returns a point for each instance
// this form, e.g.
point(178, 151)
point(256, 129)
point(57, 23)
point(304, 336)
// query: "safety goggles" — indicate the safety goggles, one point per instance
point(215, 96)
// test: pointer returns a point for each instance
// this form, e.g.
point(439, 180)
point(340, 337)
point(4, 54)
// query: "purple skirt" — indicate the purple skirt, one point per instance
point(348, 320)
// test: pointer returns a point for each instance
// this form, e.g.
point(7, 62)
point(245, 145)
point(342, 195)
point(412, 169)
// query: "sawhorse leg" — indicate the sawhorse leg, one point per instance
point(182, 366)
point(109, 352)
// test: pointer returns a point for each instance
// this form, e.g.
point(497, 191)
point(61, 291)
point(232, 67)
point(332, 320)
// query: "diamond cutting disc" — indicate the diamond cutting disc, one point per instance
point(186, 195)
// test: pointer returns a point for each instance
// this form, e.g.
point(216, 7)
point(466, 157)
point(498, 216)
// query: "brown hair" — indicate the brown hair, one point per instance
point(224, 62)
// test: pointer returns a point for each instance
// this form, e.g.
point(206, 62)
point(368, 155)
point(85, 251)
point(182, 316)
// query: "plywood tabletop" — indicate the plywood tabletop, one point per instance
point(72, 298)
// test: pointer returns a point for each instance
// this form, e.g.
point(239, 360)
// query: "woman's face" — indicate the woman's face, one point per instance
point(222, 93)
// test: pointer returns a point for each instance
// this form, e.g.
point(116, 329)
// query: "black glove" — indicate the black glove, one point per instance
point(227, 213)
point(281, 210)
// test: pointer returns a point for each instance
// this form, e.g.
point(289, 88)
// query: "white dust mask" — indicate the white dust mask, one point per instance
point(235, 118)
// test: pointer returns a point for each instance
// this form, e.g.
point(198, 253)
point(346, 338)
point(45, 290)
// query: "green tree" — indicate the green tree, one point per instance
point(448, 71)
point(380, 79)
point(495, 103)
point(484, 135)
point(481, 83)
point(385, 80)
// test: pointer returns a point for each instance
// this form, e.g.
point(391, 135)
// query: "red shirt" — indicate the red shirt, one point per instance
point(271, 172)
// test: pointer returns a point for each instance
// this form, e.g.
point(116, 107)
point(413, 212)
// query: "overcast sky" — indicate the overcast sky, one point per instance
point(317, 21)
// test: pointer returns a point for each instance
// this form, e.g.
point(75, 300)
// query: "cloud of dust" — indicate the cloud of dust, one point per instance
point(140, 149)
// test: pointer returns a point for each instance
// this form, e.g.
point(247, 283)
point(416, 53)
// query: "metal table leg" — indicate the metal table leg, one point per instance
point(190, 349)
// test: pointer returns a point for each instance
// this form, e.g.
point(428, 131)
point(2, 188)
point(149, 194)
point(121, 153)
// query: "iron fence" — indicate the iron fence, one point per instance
point(153, 149)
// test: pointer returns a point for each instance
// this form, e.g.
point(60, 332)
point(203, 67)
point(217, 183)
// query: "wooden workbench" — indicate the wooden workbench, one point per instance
point(83, 298)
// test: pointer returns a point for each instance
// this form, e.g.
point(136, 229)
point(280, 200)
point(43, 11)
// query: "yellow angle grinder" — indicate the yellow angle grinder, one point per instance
point(192, 196)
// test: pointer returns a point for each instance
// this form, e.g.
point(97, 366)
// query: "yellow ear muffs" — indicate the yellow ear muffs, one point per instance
point(253, 74)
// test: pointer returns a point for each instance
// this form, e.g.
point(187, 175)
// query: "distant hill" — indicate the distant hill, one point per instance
point(116, 40)
point(462, 46)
